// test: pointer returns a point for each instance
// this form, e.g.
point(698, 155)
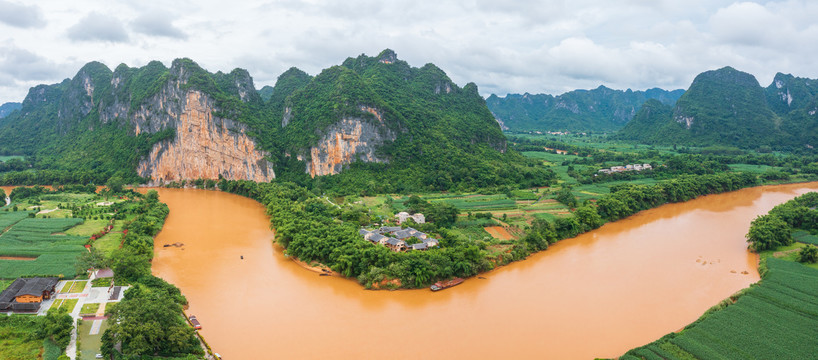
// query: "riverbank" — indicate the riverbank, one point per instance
point(545, 307)
point(315, 267)
point(778, 309)
point(316, 231)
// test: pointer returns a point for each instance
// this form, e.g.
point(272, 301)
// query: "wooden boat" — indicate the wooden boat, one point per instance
point(195, 322)
point(440, 285)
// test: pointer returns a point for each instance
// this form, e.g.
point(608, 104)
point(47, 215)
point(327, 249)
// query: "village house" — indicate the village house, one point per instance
point(396, 245)
point(26, 294)
point(629, 167)
point(397, 241)
point(402, 216)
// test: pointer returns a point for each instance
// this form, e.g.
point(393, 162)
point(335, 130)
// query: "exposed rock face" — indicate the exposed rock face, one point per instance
point(205, 146)
point(346, 141)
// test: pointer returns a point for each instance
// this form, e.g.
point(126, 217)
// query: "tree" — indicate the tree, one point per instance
point(588, 216)
point(148, 322)
point(57, 326)
point(92, 259)
point(808, 254)
point(114, 184)
point(442, 214)
point(768, 232)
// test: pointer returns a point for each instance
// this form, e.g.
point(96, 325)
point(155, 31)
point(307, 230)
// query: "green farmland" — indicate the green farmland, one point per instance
point(40, 249)
point(777, 319)
point(804, 237)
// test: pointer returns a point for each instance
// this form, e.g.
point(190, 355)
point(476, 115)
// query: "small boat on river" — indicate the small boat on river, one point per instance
point(440, 285)
point(195, 322)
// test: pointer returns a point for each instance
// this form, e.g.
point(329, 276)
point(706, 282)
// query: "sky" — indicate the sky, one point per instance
point(502, 46)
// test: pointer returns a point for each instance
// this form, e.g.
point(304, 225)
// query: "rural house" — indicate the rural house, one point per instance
point(26, 294)
point(402, 216)
point(397, 240)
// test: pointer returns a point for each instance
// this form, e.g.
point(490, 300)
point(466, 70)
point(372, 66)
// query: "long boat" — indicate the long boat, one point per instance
point(440, 285)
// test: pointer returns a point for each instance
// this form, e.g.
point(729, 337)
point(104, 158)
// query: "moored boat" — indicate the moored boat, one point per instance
point(195, 322)
point(440, 285)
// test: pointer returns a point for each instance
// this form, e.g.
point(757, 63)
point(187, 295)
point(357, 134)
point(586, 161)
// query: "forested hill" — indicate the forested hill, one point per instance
point(8, 108)
point(729, 107)
point(600, 109)
point(370, 124)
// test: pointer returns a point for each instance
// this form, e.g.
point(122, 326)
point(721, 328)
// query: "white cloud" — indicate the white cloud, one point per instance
point(98, 27)
point(157, 23)
point(21, 16)
point(534, 46)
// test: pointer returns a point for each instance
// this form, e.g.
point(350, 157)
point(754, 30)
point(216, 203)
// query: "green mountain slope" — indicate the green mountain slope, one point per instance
point(9, 107)
point(371, 124)
point(729, 107)
point(600, 109)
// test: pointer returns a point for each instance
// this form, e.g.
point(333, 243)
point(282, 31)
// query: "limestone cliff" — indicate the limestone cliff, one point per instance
point(346, 141)
point(205, 145)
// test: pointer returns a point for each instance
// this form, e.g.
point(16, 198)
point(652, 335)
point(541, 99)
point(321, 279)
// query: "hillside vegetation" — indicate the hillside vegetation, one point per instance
point(728, 107)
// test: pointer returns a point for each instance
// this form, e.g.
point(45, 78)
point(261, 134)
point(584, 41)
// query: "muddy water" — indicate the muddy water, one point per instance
point(600, 294)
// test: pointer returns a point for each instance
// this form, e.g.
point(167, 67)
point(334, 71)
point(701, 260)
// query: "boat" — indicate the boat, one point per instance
point(195, 322)
point(440, 285)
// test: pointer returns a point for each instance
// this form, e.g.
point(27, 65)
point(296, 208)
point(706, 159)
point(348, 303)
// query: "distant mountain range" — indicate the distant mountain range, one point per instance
point(380, 123)
point(9, 107)
point(729, 107)
point(600, 109)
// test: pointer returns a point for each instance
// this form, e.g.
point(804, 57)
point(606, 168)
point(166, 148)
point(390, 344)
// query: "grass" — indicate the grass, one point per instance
point(90, 344)
point(776, 319)
point(73, 286)
point(108, 243)
point(18, 340)
point(89, 309)
point(67, 304)
point(87, 228)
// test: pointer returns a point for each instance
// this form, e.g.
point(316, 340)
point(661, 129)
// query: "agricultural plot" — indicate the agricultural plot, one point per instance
point(777, 319)
point(489, 202)
point(758, 169)
point(804, 237)
point(8, 219)
point(53, 255)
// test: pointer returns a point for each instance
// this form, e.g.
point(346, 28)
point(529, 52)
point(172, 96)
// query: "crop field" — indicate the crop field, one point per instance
point(482, 204)
point(55, 254)
point(805, 237)
point(552, 158)
point(759, 169)
point(777, 319)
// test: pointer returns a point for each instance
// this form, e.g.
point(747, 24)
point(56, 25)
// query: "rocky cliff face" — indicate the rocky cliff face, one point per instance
point(346, 141)
point(205, 145)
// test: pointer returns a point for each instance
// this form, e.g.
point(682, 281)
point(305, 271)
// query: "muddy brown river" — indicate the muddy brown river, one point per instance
point(598, 295)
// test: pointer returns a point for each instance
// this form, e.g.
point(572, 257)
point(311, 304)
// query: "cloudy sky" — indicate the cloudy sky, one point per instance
point(503, 46)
